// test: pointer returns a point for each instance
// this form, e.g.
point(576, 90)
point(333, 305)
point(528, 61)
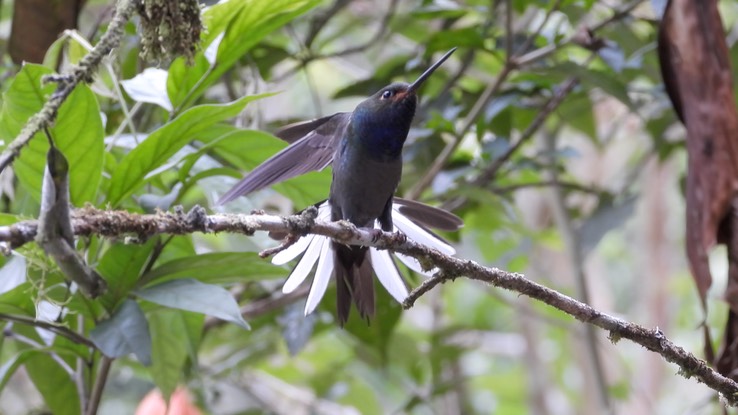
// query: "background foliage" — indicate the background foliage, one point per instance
point(557, 145)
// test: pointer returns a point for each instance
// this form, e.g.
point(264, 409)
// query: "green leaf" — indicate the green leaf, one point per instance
point(439, 10)
point(606, 80)
point(11, 365)
point(468, 37)
point(245, 23)
point(170, 346)
point(8, 219)
point(163, 143)
point(54, 383)
point(124, 333)
point(192, 295)
point(246, 148)
point(19, 300)
point(307, 189)
point(217, 268)
point(577, 110)
point(121, 266)
point(13, 272)
point(77, 132)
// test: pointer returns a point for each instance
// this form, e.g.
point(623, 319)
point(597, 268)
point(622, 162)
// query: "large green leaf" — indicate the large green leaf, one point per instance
point(77, 132)
point(192, 295)
point(160, 145)
point(54, 383)
point(217, 268)
point(243, 24)
point(170, 346)
point(124, 333)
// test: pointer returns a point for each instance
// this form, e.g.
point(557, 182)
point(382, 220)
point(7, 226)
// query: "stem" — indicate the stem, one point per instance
point(99, 386)
point(52, 327)
point(79, 373)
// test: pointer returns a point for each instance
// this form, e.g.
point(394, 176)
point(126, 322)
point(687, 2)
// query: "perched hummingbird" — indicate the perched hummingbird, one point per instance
point(365, 147)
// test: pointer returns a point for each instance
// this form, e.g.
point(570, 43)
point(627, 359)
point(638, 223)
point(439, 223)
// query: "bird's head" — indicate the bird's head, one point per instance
point(384, 118)
point(394, 105)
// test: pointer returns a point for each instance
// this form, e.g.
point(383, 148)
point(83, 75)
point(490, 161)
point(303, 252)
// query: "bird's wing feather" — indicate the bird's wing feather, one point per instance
point(429, 216)
point(293, 132)
point(312, 152)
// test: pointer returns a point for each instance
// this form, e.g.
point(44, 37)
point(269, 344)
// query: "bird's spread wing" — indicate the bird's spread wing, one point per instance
point(428, 216)
point(314, 151)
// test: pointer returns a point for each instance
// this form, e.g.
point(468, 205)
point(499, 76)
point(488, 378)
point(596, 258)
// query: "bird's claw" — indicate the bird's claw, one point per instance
point(376, 234)
point(400, 237)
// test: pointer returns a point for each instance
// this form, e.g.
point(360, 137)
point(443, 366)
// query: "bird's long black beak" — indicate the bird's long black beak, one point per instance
point(415, 85)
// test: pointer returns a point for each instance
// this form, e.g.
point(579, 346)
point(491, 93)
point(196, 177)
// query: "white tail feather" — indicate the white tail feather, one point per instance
point(305, 265)
point(420, 235)
point(388, 274)
point(322, 277)
point(292, 251)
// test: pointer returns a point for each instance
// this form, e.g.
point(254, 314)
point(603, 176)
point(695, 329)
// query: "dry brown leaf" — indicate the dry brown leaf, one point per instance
point(696, 68)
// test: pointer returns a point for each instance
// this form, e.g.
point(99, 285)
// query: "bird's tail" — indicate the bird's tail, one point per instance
point(354, 281)
point(353, 266)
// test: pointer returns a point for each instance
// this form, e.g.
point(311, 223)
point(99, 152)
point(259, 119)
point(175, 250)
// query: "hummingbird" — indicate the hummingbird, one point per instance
point(365, 148)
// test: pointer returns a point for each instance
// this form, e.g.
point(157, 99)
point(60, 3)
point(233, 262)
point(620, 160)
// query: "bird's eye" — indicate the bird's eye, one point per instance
point(387, 94)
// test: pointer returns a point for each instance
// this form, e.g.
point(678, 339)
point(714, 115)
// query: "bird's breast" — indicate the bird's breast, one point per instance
point(362, 184)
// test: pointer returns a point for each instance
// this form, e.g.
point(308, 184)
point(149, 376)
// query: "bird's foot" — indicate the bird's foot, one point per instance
point(399, 237)
point(376, 234)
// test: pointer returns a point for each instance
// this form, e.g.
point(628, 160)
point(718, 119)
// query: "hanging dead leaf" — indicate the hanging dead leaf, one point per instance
point(696, 68)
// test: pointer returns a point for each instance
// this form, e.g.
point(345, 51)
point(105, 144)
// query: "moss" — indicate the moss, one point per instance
point(169, 28)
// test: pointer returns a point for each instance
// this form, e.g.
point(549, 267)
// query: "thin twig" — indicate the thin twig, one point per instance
point(52, 327)
point(508, 30)
point(287, 242)
point(80, 379)
point(67, 82)
point(38, 346)
point(97, 389)
point(578, 187)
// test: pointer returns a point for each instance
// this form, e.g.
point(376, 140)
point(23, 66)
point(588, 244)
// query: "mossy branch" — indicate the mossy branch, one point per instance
point(118, 224)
